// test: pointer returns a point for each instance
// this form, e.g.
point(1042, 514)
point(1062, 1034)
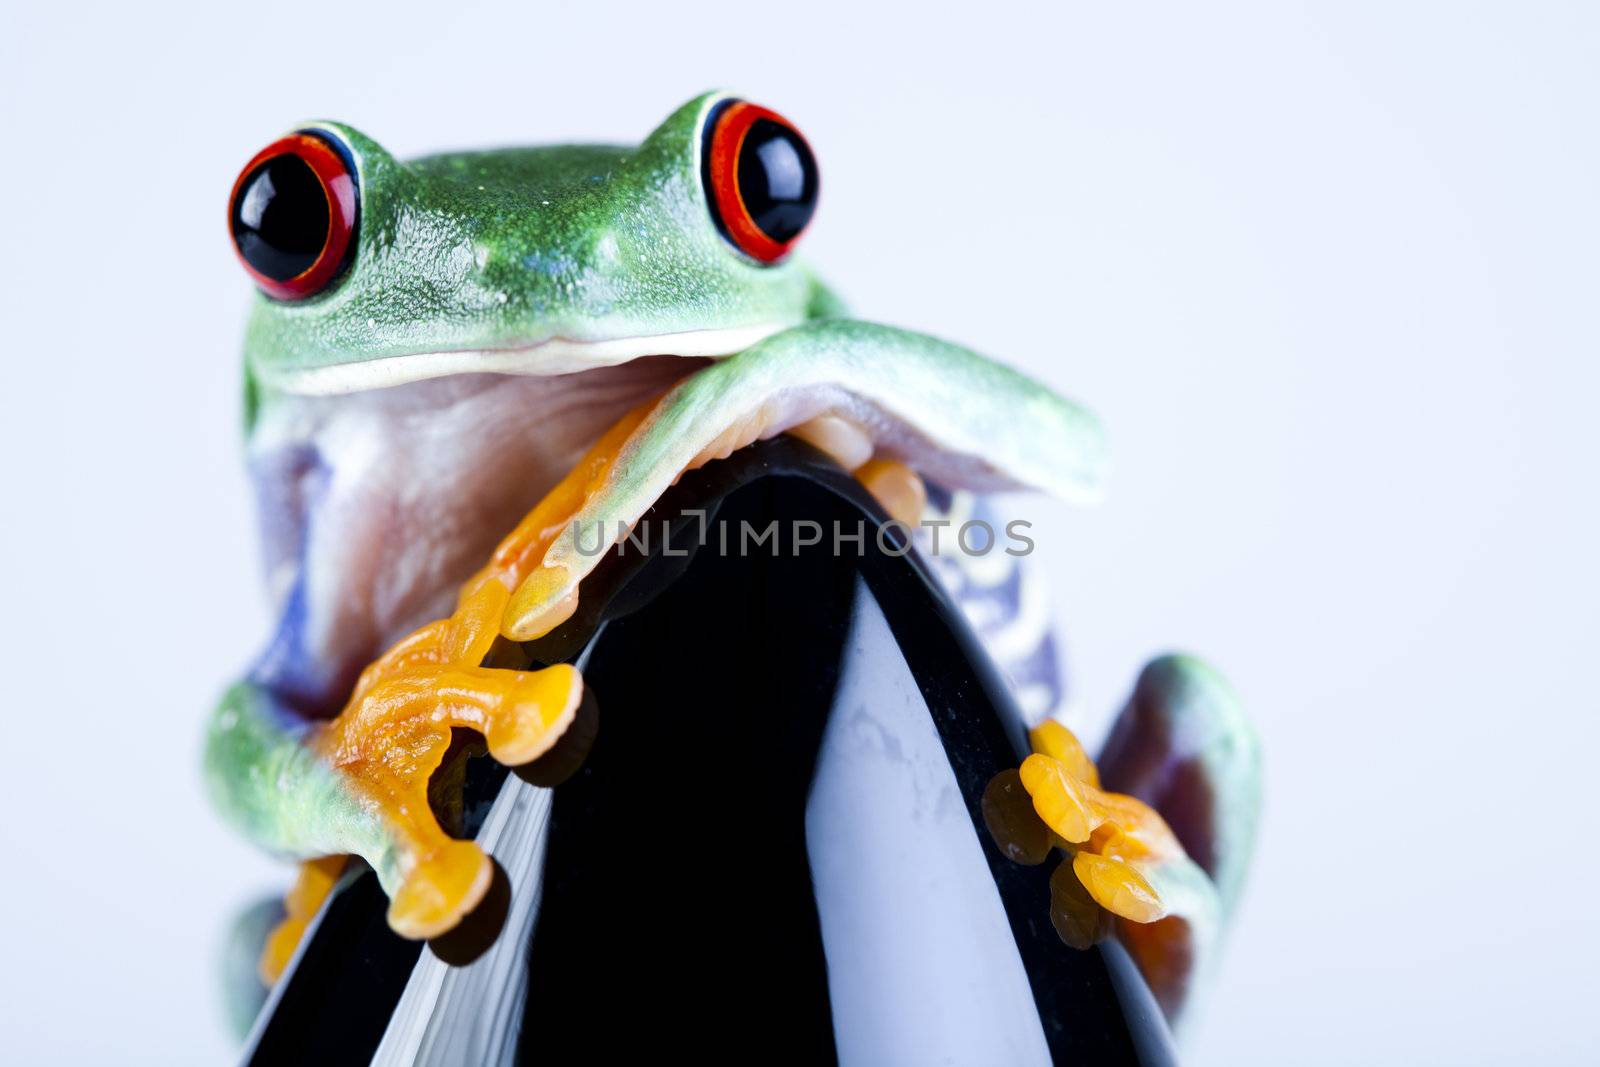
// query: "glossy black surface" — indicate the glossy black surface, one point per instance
point(677, 912)
point(777, 179)
point(280, 217)
point(683, 836)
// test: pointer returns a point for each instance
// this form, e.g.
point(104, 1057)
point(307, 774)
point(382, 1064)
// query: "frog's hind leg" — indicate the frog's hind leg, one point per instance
point(1183, 745)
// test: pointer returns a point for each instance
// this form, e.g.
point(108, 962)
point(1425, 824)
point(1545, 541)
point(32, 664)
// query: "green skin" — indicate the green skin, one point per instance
point(526, 264)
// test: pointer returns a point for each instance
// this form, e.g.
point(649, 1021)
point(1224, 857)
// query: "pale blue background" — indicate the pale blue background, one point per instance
point(1327, 270)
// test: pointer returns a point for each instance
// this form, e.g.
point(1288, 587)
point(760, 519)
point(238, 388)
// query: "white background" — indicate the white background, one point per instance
point(1328, 271)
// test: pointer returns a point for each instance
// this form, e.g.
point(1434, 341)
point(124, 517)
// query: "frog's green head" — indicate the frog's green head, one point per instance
point(532, 261)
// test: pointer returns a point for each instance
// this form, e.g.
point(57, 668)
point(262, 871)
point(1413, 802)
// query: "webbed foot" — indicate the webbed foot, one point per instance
point(1181, 746)
point(358, 784)
point(312, 884)
point(395, 729)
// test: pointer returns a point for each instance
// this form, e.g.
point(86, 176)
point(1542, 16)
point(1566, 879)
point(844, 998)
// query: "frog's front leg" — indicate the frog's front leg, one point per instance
point(358, 784)
point(953, 416)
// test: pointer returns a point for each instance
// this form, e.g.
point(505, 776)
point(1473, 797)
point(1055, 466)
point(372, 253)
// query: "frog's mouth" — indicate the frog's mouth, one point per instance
point(545, 358)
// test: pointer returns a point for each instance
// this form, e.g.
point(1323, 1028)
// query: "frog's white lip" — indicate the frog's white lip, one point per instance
point(557, 355)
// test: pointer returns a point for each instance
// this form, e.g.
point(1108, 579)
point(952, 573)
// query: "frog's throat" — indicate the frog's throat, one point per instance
point(552, 356)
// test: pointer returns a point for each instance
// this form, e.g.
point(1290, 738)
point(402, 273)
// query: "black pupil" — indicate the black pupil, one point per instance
point(280, 219)
point(778, 179)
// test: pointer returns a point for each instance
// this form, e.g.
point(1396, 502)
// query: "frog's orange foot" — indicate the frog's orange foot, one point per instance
point(311, 887)
point(1183, 743)
point(389, 743)
point(393, 734)
point(1116, 844)
point(1125, 870)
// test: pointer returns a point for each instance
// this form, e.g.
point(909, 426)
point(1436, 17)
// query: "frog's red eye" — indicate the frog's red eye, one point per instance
point(760, 178)
point(293, 215)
